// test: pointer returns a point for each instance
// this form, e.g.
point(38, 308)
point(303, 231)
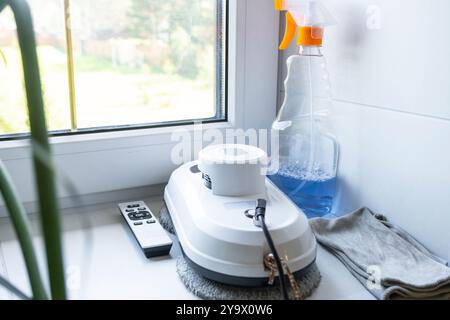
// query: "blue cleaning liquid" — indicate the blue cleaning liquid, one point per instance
point(313, 194)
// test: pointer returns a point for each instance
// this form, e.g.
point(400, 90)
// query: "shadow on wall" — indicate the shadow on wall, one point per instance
point(346, 200)
point(350, 32)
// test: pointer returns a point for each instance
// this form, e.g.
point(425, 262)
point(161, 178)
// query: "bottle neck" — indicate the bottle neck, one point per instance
point(315, 51)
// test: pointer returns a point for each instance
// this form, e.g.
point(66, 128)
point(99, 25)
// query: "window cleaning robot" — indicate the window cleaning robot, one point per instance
point(231, 220)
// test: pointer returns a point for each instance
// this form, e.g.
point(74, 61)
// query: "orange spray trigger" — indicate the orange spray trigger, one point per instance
point(309, 16)
point(291, 25)
point(279, 5)
point(289, 33)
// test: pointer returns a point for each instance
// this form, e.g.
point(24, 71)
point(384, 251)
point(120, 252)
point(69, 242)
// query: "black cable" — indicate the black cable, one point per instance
point(260, 216)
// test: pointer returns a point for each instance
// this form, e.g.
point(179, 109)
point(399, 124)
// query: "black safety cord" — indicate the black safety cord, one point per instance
point(260, 217)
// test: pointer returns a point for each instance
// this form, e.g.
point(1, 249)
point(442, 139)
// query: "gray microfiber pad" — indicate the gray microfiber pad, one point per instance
point(383, 257)
point(165, 220)
point(210, 290)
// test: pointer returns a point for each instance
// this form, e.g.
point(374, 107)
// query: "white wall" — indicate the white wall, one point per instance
point(390, 66)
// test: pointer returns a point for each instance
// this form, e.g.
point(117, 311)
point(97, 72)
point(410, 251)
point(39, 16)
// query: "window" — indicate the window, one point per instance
point(140, 158)
point(120, 64)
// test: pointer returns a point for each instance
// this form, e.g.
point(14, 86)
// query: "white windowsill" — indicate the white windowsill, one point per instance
point(119, 270)
point(113, 134)
point(127, 138)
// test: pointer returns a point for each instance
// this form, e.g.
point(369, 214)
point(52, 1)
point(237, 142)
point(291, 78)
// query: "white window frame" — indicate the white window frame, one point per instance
point(110, 161)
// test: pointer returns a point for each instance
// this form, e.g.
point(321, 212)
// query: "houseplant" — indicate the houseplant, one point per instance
point(43, 169)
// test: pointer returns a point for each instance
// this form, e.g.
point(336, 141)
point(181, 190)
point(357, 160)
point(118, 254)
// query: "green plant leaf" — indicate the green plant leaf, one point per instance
point(13, 289)
point(23, 231)
point(3, 57)
point(44, 174)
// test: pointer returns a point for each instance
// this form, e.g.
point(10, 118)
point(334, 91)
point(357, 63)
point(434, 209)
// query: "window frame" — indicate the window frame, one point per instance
point(221, 115)
point(110, 156)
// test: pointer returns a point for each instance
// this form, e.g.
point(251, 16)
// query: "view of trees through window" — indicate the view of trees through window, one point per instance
point(135, 62)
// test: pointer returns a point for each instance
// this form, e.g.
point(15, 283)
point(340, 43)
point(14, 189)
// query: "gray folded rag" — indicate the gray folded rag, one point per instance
point(389, 262)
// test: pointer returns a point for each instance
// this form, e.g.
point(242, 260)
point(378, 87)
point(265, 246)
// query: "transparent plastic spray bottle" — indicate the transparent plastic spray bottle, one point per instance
point(308, 152)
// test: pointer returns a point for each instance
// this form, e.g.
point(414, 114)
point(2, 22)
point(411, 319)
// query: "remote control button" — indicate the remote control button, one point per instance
point(142, 215)
point(145, 214)
point(133, 216)
point(138, 223)
point(151, 221)
point(129, 210)
point(142, 209)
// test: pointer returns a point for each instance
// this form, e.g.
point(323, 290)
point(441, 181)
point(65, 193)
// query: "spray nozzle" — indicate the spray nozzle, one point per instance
point(310, 16)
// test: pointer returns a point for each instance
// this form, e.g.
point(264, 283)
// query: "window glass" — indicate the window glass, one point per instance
point(49, 28)
point(136, 62)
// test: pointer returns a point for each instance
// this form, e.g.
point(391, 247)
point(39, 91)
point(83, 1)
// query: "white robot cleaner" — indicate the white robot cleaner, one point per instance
point(235, 227)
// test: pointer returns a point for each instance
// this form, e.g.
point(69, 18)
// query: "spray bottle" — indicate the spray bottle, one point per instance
point(308, 152)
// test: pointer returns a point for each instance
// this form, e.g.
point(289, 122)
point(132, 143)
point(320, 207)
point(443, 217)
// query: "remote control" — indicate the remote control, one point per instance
point(150, 235)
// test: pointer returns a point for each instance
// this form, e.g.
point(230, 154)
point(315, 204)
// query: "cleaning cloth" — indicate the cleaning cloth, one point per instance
point(389, 262)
